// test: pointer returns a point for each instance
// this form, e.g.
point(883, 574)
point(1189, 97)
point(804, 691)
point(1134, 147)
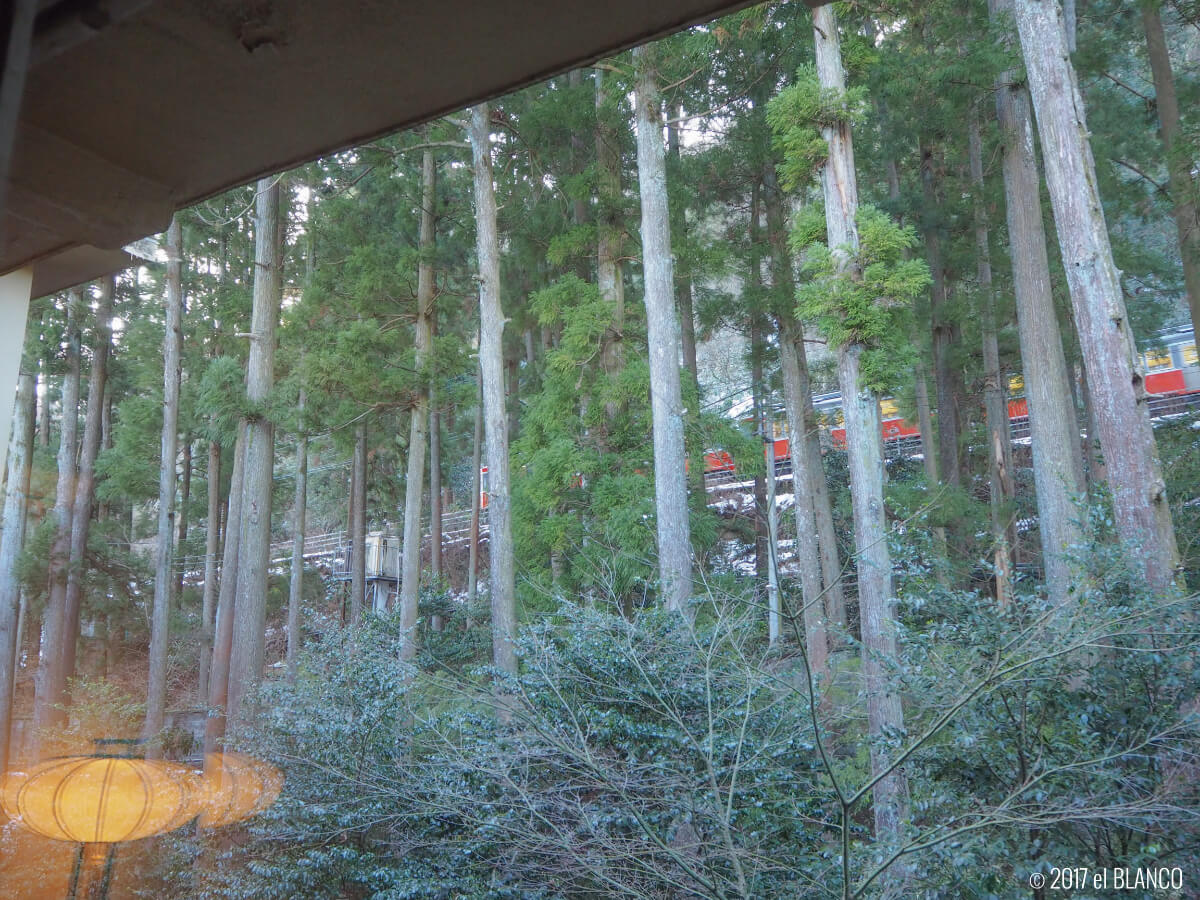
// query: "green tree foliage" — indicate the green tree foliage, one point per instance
point(869, 309)
point(797, 115)
point(585, 492)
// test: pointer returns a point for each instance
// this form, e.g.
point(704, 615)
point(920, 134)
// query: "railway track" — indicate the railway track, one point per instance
point(456, 526)
point(456, 532)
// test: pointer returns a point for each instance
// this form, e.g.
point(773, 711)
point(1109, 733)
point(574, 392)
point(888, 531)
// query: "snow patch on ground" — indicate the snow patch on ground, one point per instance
point(733, 503)
point(737, 558)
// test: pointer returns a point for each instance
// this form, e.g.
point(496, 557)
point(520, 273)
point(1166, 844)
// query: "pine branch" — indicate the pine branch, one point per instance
point(1159, 187)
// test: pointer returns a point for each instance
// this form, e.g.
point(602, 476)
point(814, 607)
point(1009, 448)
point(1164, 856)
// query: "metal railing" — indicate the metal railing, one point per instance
point(1163, 405)
point(456, 532)
point(456, 526)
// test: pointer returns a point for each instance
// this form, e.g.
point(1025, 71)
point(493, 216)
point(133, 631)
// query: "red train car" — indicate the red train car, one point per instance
point(1172, 380)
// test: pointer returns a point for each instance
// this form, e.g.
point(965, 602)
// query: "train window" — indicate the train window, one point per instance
point(1189, 355)
point(1158, 358)
point(1016, 385)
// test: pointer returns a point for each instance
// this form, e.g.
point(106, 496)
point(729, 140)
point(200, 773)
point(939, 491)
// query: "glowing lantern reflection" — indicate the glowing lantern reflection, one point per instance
point(236, 787)
point(102, 799)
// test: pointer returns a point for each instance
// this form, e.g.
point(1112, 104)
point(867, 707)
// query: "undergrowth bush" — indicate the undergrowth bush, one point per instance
point(662, 758)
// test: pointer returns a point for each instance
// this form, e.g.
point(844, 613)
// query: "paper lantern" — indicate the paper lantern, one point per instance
point(102, 799)
point(237, 787)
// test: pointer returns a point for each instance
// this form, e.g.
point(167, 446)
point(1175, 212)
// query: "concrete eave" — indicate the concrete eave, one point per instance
point(157, 104)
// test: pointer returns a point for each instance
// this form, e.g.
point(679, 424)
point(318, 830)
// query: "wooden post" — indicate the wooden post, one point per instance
point(15, 289)
point(12, 540)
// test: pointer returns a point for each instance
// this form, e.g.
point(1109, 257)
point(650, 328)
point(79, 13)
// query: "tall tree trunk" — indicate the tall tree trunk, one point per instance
point(104, 509)
point(762, 426)
point(224, 522)
point(808, 475)
point(996, 409)
point(1179, 164)
point(476, 489)
point(156, 691)
point(683, 277)
point(579, 163)
point(1140, 508)
point(437, 622)
point(491, 364)
point(1095, 471)
point(212, 536)
point(945, 334)
point(662, 327)
point(296, 583)
point(929, 456)
point(23, 605)
point(218, 679)
point(435, 493)
point(808, 551)
point(15, 671)
point(514, 396)
point(1054, 436)
point(12, 540)
point(609, 276)
point(527, 341)
point(254, 544)
point(410, 585)
point(185, 497)
point(85, 482)
point(300, 499)
point(885, 717)
point(106, 431)
point(754, 284)
point(51, 685)
point(43, 404)
point(358, 525)
point(774, 606)
point(925, 426)
point(449, 498)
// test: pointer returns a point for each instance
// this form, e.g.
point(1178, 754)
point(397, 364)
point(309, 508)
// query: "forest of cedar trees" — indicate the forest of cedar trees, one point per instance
point(762, 464)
